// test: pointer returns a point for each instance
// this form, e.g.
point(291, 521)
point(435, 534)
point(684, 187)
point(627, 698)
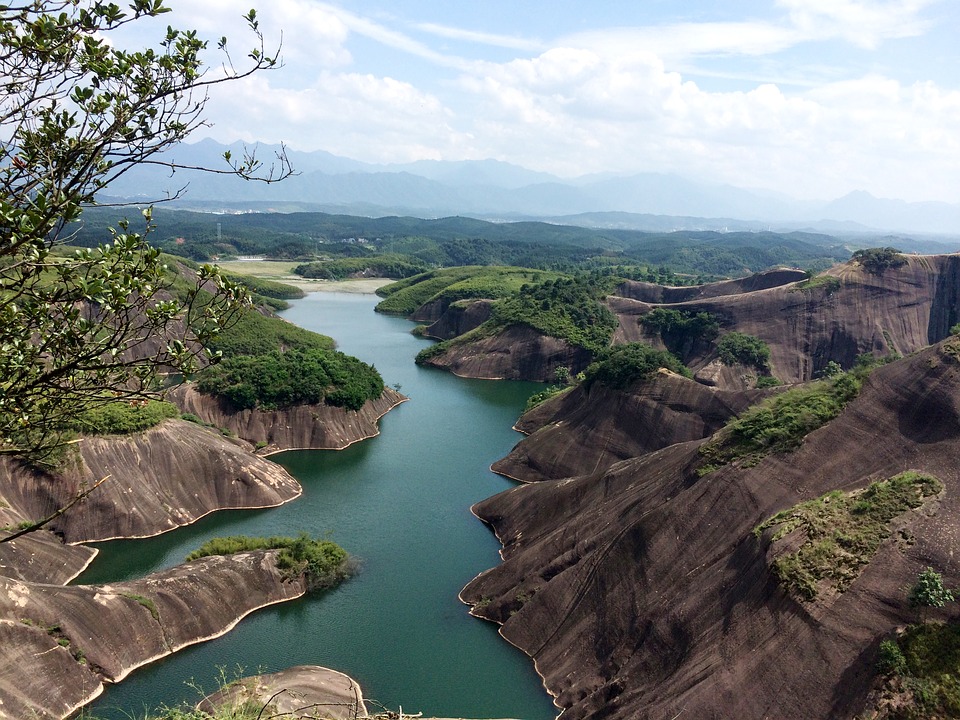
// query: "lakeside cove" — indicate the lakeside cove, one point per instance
point(400, 503)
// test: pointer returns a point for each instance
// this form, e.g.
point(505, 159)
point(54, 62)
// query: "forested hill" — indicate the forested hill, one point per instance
point(466, 241)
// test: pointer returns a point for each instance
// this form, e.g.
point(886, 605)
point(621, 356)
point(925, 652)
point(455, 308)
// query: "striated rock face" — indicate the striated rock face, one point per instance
point(460, 318)
point(68, 640)
point(304, 691)
point(41, 557)
point(659, 294)
point(901, 311)
point(583, 431)
point(319, 427)
point(642, 592)
point(159, 480)
point(518, 353)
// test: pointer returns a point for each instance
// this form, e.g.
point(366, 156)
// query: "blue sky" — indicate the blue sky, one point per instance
point(810, 98)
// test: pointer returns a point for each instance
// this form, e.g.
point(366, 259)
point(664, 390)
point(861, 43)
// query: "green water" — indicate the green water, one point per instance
point(400, 502)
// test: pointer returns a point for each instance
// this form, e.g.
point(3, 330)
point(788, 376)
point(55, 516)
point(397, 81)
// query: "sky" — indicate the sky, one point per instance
point(808, 98)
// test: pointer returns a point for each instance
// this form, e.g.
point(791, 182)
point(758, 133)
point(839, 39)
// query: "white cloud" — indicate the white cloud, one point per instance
point(863, 22)
point(504, 41)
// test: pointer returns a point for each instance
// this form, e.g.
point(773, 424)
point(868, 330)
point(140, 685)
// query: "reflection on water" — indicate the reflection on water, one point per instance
point(399, 502)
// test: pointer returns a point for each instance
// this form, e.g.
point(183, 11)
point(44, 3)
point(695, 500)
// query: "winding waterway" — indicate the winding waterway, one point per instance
point(400, 502)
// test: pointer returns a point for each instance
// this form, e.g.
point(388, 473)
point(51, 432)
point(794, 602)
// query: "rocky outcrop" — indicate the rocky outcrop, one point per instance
point(642, 592)
point(41, 557)
point(69, 640)
point(317, 427)
point(517, 353)
point(459, 318)
point(588, 429)
point(659, 294)
point(158, 480)
point(846, 312)
point(305, 691)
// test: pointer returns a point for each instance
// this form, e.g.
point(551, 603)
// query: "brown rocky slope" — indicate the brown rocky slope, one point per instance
point(315, 427)
point(70, 640)
point(641, 591)
point(585, 430)
point(161, 479)
point(846, 312)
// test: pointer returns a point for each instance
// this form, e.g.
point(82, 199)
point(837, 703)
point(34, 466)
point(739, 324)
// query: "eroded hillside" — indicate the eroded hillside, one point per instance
point(643, 591)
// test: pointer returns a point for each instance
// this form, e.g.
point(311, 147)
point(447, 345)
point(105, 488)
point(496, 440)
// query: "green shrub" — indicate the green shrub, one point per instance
point(779, 424)
point(541, 397)
point(123, 418)
point(767, 381)
point(322, 562)
point(679, 330)
point(625, 365)
point(284, 379)
point(842, 531)
point(739, 348)
point(828, 283)
point(566, 308)
point(890, 659)
point(877, 260)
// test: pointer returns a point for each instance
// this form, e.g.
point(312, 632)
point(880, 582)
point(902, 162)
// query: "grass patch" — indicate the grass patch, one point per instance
point(842, 531)
point(921, 673)
point(828, 283)
point(780, 423)
point(541, 397)
point(323, 563)
point(146, 602)
point(123, 418)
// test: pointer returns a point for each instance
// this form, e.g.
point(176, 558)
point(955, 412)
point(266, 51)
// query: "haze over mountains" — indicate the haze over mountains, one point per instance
point(498, 190)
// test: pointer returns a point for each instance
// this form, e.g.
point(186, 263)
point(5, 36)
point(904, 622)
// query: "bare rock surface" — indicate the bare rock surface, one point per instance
point(41, 557)
point(848, 311)
point(304, 691)
point(161, 479)
point(71, 639)
point(459, 318)
point(319, 427)
point(584, 430)
point(517, 353)
point(652, 293)
point(641, 591)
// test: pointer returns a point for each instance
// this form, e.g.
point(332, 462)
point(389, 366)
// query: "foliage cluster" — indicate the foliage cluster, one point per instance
point(779, 424)
point(828, 283)
point(453, 284)
point(388, 266)
point(739, 348)
point(122, 418)
point(255, 333)
point(565, 308)
point(877, 260)
point(78, 111)
point(281, 379)
point(929, 590)
point(842, 531)
point(323, 562)
point(922, 662)
point(680, 330)
point(263, 288)
point(622, 366)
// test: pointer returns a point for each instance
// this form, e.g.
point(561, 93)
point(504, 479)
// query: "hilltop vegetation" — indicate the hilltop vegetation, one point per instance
point(447, 242)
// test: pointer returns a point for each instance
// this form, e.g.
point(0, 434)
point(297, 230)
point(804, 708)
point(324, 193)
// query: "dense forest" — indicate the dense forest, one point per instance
point(400, 246)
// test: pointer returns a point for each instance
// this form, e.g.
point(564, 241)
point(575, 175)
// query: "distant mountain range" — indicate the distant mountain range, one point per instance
point(496, 190)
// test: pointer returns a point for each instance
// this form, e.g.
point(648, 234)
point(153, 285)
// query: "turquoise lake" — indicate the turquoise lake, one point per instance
point(400, 502)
